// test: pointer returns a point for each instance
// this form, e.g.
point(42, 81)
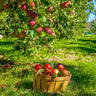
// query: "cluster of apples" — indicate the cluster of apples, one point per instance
point(32, 22)
point(58, 70)
point(65, 4)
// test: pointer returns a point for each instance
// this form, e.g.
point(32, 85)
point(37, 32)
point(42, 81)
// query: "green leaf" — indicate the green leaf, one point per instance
point(44, 19)
point(0, 65)
point(29, 50)
point(23, 51)
point(49, 39)
point(43, 34)
point(53, 65)
point(33, 33)
point(17, 47)
point(54, 75)
point(28, 32)
point(20, 30)
point(41, 41)
point(65, 14)
point(41, 70)
point(57, 32)
point(52, 2)
point(45, 2)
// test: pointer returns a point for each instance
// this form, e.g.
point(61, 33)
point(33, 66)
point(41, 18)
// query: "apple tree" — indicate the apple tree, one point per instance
point(37, 22)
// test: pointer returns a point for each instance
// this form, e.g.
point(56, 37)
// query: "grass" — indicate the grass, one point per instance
point(78, 56)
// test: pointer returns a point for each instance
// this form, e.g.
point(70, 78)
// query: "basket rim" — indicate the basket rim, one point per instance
point(63, 78)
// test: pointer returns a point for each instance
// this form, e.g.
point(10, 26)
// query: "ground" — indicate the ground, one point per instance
point(78, 56)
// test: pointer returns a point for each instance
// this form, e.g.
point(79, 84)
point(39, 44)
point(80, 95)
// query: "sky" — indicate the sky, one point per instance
point(92, 16)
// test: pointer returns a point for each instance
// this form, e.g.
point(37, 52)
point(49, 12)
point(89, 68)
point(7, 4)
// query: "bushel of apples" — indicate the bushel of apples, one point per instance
point(58, 70)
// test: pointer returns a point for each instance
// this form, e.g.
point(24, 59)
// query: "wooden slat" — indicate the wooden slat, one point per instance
point(65, 83)
point(34, 80)
point(57, 86)
point(38, 78)
point(44, 85)
point(51, 86)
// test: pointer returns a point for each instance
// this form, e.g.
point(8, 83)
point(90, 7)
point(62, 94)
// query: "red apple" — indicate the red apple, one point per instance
point(29, 12)
point(32, 3)
point(65, 72)
point(51, 20)
point(15, 89)
point(50, 9)
point(6, 6)
point(6, 66)
point(48, 30)
point(61, 6)
point(53, 34)
point(86, 2)
point(48, 67)
point(34, 15)
point(38, 67)
point(48, 82)
point(32, 23)
point(66, 4)
point(2, 85)
point(60, 66)
point(50, 3)
point(69, 2)
point(54, 72)
point(39, 29)
point(24, 7)
point(16, 83)
point(48, 73)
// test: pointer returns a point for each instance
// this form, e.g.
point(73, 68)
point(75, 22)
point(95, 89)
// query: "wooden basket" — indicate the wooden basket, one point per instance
point(45, 83)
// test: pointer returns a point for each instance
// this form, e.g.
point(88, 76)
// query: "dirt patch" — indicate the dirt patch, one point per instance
point(88, 58)
point(72, 56)
point(55, 58)
point(93, 54)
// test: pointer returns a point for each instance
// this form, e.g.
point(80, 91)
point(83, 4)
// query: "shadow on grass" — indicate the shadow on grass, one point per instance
point(82, 49)
point(26, 84)
point(83, 46)
point(3, 62)
point(87, 40)
point(87, 94)
point(6, 51)
point(6, 43)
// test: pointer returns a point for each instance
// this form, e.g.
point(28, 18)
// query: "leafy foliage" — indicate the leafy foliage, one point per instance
point(63, 19)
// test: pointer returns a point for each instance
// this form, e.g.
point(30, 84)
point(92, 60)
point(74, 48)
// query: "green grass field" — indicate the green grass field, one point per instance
point(78, 56)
